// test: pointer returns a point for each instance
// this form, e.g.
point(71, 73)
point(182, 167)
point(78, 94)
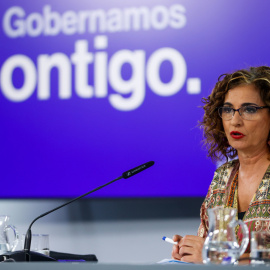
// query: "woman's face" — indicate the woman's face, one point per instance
point(254, 138)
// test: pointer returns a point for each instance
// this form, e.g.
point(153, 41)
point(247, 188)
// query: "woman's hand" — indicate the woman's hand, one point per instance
point(189, 248)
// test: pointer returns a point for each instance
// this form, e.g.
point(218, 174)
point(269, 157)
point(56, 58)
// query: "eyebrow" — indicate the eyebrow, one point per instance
point(243, 104)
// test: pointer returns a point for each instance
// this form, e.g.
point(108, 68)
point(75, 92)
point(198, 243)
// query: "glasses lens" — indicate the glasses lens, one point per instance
point(225, 113)
point(248, 112)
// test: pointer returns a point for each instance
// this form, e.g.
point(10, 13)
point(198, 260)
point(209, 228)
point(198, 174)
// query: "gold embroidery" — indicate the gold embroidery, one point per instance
point(231, 199)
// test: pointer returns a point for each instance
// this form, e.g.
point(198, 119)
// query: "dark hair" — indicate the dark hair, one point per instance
point(215, 139)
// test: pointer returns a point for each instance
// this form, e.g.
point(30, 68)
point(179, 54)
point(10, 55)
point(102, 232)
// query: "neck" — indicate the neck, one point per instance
point(260, 158)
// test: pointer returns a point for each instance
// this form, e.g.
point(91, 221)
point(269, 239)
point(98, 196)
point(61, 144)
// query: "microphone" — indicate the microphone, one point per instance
point(28, 237)
point(138, 169)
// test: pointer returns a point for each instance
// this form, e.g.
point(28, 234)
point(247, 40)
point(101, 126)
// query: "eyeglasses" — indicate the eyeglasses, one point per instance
point(248, 112)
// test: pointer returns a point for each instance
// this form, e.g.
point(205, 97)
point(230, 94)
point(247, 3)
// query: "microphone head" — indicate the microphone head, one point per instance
point(138, 169)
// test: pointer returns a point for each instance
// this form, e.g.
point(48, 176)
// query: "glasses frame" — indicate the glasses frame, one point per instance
point(238, 110)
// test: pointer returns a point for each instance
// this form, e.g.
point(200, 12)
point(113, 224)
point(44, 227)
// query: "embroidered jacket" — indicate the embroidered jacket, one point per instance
point(223, 192)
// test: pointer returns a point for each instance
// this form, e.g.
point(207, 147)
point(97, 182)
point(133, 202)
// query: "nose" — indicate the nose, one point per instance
point(237, 119)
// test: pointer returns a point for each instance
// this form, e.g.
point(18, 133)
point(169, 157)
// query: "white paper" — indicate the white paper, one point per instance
point(171, 261)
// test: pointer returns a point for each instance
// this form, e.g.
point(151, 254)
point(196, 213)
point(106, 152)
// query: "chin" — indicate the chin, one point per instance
point(238, 146)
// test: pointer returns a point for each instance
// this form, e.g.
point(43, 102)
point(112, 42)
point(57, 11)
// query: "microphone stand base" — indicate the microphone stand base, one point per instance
point(22, 256)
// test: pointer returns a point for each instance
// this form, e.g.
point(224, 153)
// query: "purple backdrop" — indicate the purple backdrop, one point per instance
point(89, 90)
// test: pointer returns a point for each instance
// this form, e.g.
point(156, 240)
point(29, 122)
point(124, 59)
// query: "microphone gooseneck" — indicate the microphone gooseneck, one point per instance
point(127, 174)
point(28, 236)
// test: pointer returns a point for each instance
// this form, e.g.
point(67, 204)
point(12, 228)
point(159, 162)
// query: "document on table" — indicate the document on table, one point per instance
point(171, 261)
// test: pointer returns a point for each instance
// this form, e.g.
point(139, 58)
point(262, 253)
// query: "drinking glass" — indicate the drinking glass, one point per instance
point(39, 243)
point(260, 247)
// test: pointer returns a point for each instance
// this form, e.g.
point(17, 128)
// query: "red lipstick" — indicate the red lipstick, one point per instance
point(237, 135)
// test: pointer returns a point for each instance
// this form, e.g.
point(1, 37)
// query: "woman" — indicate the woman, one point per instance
point(236, 123)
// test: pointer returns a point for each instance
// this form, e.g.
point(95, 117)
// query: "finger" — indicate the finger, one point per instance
point(186, 250)
point(177, 238)
point(185, 242)
point(194, 238)
point(176, 257)
point(187, 258)
point(192, 259)
point(175, 250)
point(175, 253)
point(191, 241)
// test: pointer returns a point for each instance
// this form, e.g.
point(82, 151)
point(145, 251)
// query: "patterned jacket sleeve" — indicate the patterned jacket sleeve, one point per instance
point(208, 201)
point(203, 228)
point(217, 193)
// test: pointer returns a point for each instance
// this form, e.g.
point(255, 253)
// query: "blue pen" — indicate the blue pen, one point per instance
point(169, 240)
